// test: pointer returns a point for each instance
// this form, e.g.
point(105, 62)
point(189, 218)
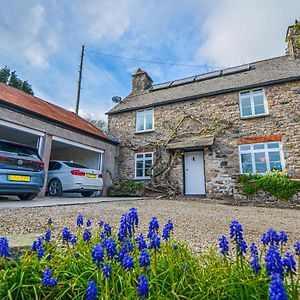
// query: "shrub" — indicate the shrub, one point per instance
point(97, 264)
point(276, 183)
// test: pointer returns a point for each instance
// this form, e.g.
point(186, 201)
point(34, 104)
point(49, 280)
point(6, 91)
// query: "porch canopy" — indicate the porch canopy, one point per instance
point(192, 142)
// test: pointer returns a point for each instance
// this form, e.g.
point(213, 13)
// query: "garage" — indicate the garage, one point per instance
point(63, 149)
point(57, 133)
point(20, 134)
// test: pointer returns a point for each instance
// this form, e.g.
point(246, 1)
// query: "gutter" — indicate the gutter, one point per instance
point(41, 117)
point(210, 94)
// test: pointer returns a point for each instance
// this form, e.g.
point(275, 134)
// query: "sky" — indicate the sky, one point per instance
point(42, 41)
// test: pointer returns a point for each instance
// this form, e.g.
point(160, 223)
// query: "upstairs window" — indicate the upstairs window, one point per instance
point(261, 157)
point(143, 163)
point(253, 103)
point(145, 120)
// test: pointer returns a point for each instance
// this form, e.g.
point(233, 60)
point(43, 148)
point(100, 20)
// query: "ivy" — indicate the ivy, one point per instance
point(275, 183)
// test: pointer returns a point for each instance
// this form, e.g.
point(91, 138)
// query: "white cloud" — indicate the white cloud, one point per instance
point(241, 31)
point(35, 54)
point(106, 19)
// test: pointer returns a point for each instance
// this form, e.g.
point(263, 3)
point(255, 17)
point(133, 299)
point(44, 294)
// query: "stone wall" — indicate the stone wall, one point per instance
point(221, 160)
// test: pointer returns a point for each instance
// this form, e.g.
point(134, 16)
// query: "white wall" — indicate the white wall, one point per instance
point(76, 154)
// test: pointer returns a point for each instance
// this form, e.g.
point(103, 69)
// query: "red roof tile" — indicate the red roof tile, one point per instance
point(45, 109)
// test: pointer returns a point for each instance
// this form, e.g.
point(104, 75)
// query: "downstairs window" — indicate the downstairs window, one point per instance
point(261, 157)
point(143, 163)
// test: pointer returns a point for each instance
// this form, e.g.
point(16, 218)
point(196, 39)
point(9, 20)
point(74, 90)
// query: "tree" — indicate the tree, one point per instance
point(11, 79)
point(101, 124)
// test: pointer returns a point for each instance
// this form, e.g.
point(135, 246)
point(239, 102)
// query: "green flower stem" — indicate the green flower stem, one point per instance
point(106, 289)
point(155, 274)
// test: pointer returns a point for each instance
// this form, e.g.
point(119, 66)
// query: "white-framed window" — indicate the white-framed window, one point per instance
point(261, 157)
point(253, 103)
point(145, 120)
point(143, 163)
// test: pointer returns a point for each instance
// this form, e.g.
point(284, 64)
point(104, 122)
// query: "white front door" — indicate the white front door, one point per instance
point(194, 173)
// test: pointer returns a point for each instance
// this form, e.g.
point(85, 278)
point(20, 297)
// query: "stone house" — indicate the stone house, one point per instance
point(193, 135)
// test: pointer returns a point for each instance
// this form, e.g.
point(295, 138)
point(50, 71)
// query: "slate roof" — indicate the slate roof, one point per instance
point(192, 142)
point(20, 100)
point(261, 73)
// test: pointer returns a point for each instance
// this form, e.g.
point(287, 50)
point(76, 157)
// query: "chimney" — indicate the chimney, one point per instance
point(141, 81)
point(293, 40)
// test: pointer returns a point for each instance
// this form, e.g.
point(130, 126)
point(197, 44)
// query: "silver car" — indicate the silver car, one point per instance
point(71, 177)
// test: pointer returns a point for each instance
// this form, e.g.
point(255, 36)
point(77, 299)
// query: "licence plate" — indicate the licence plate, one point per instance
point(91, 175)
point(18, 178)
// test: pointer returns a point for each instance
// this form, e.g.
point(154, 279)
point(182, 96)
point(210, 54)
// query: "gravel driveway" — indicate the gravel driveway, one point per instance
point(196, 222)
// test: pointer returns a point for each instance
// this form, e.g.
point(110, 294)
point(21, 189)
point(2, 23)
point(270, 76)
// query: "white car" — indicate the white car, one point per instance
point(71, 177)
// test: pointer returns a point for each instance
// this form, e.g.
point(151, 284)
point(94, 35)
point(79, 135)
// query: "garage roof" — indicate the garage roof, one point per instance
point(25, 102)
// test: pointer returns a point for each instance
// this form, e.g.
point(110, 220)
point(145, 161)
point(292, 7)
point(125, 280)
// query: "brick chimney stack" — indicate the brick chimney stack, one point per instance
point(293, 40)
point(141, 81)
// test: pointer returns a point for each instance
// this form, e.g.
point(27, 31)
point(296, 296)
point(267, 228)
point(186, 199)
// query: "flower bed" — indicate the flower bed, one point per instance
point(95, 263)
point(275, 183)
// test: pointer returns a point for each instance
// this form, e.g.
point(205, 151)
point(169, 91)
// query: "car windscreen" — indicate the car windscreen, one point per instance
point(74, 165)
point(18, 149)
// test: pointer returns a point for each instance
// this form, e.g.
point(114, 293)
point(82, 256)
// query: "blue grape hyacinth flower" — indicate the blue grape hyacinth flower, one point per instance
point(155, 241)
point(48, 235)
point(47, 280)
point(87, 235)
point(224, 245)
point(153, 227)
point(277, 290)
point(98, 254)
point(88, 223)
point(106, 270)
point(66, 234)
point(242, 247)
point(282, 238)
point(271, 237)
point(91, 291)
point(254, 262)
point(144, 259)
point(40, 251)
point(236, 231)
point(36, 244)
point(127, 262)
point(142, 244)
point(46, 277)
point(111, 248)
point(4, 247)
point(125, 229)
point(289, 263)
point(273, 261)
point(166, 234)
point(49, 222)
point(143, 287)
point(79, 220)
point(134, 217)
point(73, 239)
point(107, 229)
point(297, 248)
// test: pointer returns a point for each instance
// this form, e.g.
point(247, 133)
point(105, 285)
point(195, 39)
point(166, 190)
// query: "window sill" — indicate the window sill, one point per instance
point(254, 117)
point(142, 178)
point(145, 131)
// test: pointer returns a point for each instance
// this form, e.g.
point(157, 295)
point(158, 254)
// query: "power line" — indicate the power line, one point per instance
point(105, 73)
point(153, 61)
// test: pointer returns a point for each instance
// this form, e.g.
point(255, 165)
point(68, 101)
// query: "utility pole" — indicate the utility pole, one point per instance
point(79, 80)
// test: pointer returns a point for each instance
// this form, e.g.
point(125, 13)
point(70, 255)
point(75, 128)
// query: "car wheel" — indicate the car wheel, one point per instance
point(55, 188)
point(27, 196)
point(87, 193)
